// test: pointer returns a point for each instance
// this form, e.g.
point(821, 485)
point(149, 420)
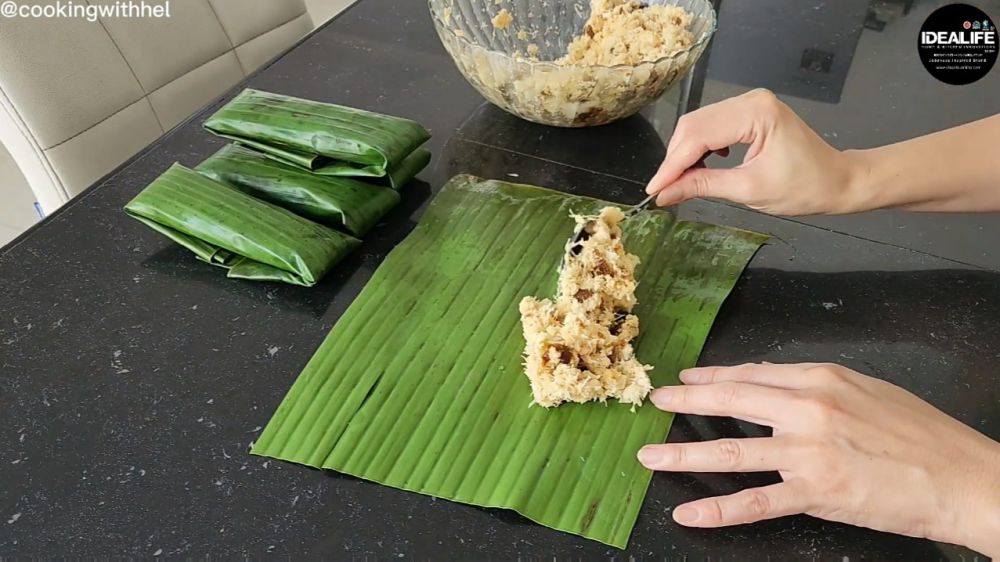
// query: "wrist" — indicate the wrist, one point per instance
point(978, 520)
point(864, 191)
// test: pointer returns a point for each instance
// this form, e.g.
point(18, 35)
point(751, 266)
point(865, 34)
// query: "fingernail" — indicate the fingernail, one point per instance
point(662, 396)
point(690, 375)
point(685, 514)
point(648, 456)
point(668, 196)
point(650, 189)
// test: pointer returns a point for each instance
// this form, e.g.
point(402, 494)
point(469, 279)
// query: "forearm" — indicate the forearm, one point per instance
point(955, 170)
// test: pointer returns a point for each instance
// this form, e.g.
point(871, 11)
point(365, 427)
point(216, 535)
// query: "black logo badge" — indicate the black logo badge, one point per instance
point(958, 44)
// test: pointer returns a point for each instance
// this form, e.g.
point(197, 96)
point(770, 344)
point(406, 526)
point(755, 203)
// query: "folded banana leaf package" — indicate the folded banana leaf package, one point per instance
point(420, 384)
point(340, 202)
point(324, 138)
point(228, 228)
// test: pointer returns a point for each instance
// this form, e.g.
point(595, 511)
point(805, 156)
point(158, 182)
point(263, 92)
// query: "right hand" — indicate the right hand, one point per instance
point(848, 447)
point(788, 169)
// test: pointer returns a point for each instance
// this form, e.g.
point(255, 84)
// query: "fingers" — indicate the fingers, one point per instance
point(712, 128)
point(792, 376)
point(747, 506)
point(723, 455)
point(757, 404)
point(700, 182)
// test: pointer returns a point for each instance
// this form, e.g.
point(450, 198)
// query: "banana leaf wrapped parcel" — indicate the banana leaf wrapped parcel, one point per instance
point(225, 227)
point(340, 202)
point(325, 138)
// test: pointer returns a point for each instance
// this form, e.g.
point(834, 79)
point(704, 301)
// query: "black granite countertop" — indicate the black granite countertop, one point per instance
point(133, 378)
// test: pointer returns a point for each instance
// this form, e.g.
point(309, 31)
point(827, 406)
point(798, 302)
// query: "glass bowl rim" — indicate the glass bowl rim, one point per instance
point(704, 38)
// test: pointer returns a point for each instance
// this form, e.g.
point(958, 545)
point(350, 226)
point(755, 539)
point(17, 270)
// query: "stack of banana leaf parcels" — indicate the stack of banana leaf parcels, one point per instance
point(294, 192)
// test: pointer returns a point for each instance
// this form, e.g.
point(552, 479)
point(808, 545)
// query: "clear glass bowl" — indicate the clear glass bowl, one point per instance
point(496, 61)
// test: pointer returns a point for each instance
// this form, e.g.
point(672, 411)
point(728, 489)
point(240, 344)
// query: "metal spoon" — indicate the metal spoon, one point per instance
point(574, 245)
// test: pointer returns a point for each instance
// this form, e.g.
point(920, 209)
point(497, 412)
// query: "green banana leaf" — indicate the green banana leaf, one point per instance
point(324, 138)
point(346, 203)
point(429, 394)
point(230, 229)
point(401, 174)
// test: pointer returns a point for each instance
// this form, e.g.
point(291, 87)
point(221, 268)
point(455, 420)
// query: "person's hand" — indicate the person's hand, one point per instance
point(788, 168)
point(848, 447)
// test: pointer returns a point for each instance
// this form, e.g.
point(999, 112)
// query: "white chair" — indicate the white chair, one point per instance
point(78, 98)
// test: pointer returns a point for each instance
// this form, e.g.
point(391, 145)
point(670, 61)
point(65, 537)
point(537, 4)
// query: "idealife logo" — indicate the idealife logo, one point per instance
point(958, 44)
point(985, 38)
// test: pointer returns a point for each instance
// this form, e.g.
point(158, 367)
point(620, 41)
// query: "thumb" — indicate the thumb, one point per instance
point(694, 183)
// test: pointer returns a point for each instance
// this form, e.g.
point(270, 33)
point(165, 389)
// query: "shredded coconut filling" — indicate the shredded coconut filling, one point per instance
point(578, 347)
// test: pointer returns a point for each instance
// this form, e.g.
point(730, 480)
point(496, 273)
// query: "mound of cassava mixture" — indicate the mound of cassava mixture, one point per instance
point(578, 348)
point(620, 32)
point(628, 32)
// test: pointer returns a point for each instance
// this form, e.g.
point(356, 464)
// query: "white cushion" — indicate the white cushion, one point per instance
point(78, 98)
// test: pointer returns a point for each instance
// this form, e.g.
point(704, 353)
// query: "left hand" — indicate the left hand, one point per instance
point(848, 447)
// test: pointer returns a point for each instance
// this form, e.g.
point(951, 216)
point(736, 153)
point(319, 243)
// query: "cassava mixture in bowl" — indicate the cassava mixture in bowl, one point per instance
point(573, 64)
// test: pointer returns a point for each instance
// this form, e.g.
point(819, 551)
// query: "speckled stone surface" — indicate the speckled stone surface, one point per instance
point(133, 378)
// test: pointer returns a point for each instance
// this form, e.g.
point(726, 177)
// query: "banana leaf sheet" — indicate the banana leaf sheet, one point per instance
point(420, 384)
point(325, 138)
point(225, 227)
point(340, 202)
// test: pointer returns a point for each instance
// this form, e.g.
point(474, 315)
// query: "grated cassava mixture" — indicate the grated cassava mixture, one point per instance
point(649, 46)
point(620, 32)
point(628, 32)
point(578, 348)
point(503, 19)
